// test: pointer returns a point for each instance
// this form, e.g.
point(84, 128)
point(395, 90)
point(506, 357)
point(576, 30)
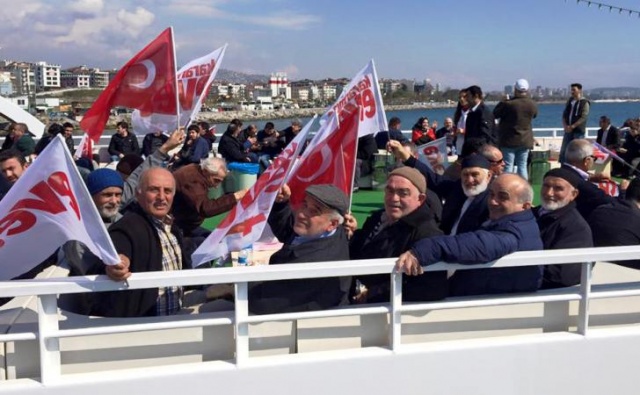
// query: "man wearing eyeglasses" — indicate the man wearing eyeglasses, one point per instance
point(192, 204)
point(312, 232)
point(579, 159)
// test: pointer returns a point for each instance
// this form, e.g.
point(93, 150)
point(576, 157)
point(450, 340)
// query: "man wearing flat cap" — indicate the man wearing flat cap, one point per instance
point(312, 232)
point(465, 207)
point(561, 225)
point(405, 219)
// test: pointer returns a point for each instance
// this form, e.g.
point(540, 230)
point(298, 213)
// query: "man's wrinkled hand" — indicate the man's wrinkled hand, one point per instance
point(120, 271)
point(350, 224)
point(408, 264)
point(284, 194)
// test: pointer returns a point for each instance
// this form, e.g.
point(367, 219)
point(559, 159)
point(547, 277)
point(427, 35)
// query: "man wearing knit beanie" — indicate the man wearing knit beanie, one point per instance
point(405, 219)
point(105, 186)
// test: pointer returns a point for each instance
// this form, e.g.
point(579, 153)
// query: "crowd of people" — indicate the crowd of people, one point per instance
point(154, 204)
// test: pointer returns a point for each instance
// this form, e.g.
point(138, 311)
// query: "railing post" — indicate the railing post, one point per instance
point(50, 365)
point(395, 318)
point(585, 294)
point(241, 327)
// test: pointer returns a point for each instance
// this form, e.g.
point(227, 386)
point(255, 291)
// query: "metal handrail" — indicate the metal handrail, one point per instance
point(49, 333)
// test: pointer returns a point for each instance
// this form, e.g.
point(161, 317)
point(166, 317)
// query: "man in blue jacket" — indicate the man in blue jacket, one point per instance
point(511, 227)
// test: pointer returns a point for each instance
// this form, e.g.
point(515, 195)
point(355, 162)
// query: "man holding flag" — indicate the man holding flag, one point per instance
point(146, 240)
point(312, 232)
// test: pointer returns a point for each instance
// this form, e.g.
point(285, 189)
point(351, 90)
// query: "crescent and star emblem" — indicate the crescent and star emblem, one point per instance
point(151, 74)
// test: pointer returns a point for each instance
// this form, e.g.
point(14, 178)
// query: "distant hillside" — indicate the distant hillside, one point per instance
point(613, 93)
point(236, 77)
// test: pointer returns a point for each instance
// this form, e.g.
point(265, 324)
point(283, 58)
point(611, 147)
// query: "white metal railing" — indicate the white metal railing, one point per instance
point(555, 133)
point(47, 290)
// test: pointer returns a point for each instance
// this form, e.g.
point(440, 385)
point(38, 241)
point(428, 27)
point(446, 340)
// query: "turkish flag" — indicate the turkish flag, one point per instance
point(245, 223)
point(194, 81)
point(329, 158)
point(147, 83)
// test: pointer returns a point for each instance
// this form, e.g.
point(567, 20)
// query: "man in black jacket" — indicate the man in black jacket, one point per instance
point(388, 232)
point(561, 225)
point(123, 142)
point(618, 223)
point(311, 233)
point(146, 241)
point(480, 121)
point(465, 207)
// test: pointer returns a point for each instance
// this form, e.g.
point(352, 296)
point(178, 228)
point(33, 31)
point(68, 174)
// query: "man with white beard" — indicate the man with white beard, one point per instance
point(561, 225)
point(465, 201)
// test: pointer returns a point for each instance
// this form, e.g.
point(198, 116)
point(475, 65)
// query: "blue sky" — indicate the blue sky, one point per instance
point(456, 43)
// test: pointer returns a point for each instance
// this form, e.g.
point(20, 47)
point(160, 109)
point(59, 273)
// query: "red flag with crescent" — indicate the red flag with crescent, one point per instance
point(328, 159)
point(151, 74)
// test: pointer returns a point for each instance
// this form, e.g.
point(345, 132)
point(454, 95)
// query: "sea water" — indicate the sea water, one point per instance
point(549, 115)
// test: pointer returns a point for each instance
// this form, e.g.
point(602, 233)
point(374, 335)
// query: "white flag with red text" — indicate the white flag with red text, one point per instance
point(48, 206)
point(362, 92)
point(434, 155)
point(194, 81)
point(244, 224)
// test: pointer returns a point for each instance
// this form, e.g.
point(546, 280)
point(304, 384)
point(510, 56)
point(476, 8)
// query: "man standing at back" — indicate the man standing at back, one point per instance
point(480, 123)
point(515, 132)
point(574, 118)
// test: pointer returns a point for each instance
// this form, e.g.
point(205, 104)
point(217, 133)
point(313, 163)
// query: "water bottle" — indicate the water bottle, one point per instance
point(245, 256)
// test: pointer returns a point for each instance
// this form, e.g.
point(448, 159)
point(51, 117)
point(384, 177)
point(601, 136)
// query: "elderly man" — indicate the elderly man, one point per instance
point(20, 139)
point(511, 227)
point(405, 219)
point(561, 225)
point(495, 157)
point(465, 207)
point(579, 160)
point(146, 241)
point(618, 223)
point(192, 204)
point(311, 233)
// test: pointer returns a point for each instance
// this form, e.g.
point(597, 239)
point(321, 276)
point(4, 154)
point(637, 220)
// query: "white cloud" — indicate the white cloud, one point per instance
point(282, 19)
point(89, 7)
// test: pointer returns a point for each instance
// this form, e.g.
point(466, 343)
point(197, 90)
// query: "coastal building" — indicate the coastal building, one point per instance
point(47, 76)
point(327, 92)
point(22, 76)
point(6, 83)
point(98, 78)
point(279, 85)
point(77, 77)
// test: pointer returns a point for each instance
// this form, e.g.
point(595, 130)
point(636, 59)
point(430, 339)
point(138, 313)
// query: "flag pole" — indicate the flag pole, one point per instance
point(175, 78)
